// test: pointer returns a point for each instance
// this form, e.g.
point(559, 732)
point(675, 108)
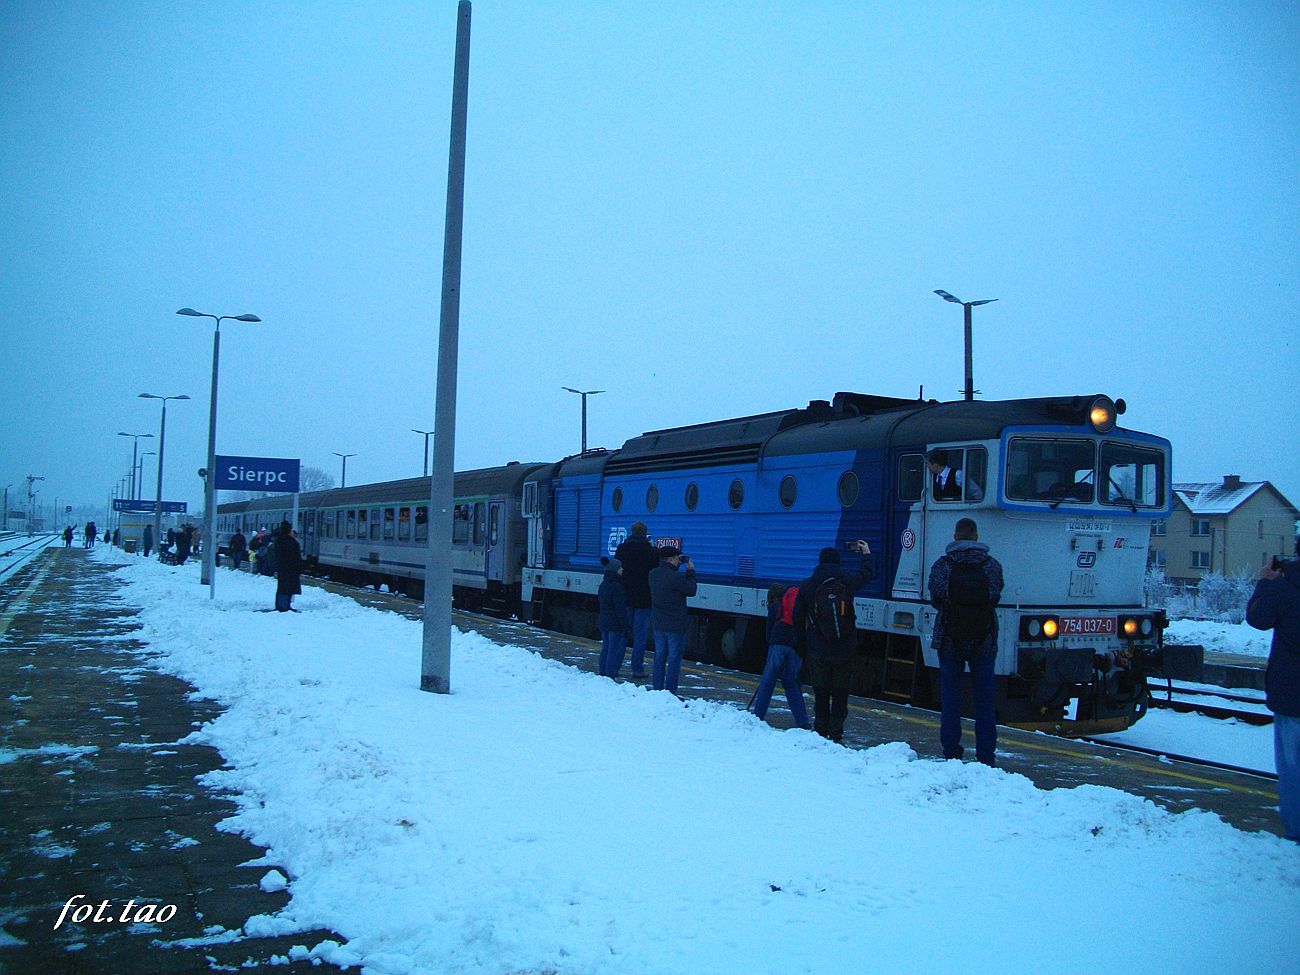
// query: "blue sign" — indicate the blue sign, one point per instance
point(148, 507)
point(276, 474)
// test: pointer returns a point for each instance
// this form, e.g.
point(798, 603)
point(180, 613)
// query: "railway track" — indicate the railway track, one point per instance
point(1165, 755)
point(1206, 707)
point(18, 550)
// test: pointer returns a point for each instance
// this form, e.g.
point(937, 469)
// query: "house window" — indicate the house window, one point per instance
point(1159, 527)
point(1261, 528)
point(1158, 559)
point(1200, 527)
point(1200, 560)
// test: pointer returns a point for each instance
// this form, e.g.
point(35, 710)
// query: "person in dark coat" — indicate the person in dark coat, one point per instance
point(67, 537)
point(1275, 605)
point(613, 619)
point(91, 532)
point(783, 661)
point(288, 567)
point(238, 547)
point(966, 550)
point(639, 558)
point(832, 660)
point(669, 590)
point(147, 544)
point(183, 543)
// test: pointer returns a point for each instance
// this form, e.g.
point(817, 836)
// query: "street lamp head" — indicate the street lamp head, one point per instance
point(192, 313)
point(246, 318)
point(982, 301)
point(947, 297)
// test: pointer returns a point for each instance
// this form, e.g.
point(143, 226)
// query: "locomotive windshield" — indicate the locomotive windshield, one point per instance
point(1067, 471)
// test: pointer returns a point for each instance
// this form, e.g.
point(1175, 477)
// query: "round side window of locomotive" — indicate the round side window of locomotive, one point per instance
point(736, 494)
point(848, 488)
point(692, 496)
point(617, 500)
point(789, 491)
point(652, 498)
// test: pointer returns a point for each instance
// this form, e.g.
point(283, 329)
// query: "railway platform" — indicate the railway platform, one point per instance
point(99, 798)
point(1248, 802)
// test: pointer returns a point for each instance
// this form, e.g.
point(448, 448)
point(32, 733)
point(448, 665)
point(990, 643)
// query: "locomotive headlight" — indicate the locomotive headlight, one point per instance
point(1034, 628)
point(1049, 628)
point(1147, 626)
point(1130, 626)
point(1102, 414)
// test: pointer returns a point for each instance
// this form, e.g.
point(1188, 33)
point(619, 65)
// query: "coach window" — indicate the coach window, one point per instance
point(403, 524)
point(352, 524)
point(376, 515)
point(911, 477)
point(652, 497)
point(788, 491)
point(736, 494)
point(390, 524)
point(421, 524)
point(460, 524)
point(479, 522)
point(692, 496)
point(617, 500)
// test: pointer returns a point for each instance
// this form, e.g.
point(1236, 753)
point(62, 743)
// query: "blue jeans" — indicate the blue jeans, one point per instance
point(668, 659)
point(951, 667)
point(1286, 753)
point(613, 644)
point(640, 638)
point(782, 662)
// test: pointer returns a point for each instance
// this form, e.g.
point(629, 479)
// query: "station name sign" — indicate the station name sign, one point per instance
point(148, 507)
point(277, 474)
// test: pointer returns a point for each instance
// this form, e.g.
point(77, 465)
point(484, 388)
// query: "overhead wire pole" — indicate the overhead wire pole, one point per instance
point(435, 661)
point(967, 305)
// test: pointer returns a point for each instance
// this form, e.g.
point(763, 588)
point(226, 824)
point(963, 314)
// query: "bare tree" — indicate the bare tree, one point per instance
point(314, 479)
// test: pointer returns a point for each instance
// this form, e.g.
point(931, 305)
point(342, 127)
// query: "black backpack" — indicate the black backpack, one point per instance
point(832, 611)
point(968, 616)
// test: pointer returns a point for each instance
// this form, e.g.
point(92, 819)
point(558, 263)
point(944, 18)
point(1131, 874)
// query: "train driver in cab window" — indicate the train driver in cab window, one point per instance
point(946, 480)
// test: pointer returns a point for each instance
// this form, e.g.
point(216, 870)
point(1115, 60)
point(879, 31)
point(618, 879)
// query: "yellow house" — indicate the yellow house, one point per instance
point(1228, 527)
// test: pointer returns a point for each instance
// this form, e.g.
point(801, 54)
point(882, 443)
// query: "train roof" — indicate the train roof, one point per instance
point(484, 481)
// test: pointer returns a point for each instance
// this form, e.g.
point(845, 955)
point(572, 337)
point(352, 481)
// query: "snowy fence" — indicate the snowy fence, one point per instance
point(1218, 597)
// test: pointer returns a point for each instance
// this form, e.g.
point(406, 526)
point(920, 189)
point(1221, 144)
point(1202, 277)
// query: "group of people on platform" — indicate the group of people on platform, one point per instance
point(645, 589)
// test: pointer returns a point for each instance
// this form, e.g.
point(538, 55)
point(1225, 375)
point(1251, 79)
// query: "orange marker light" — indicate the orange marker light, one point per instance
point(1049, 628)
point(1130, 627)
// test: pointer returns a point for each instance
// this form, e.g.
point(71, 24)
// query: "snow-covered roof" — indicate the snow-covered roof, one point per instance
point(1216, 497)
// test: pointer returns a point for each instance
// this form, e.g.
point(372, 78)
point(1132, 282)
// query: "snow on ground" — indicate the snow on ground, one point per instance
point(1239, 638)
point(541, 819)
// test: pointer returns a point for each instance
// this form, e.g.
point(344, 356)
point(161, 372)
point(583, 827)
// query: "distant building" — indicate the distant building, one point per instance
point(1229, 527)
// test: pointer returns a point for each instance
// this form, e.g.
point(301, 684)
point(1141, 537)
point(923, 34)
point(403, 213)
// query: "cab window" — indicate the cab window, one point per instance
point(1131, 476)
point(957, 473)
point(1051, 470)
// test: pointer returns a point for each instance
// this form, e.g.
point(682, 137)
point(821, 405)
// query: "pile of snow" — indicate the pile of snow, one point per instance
point(1238, 638)
point(541, 819)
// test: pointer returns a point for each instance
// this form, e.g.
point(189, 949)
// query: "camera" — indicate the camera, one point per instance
point(1277, 564)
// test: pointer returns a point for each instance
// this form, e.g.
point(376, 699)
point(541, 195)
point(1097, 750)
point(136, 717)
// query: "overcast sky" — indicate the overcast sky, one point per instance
point(707, 209)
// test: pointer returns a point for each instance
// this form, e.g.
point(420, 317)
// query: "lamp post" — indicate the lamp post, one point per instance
point(426, 434)
point(967, 305)
point(162, 448)
point(6, 511)
point(209, 480)
point(31, 503)
point(345, 457)
point(139, 483)
point(584, 394)
point(135, 446)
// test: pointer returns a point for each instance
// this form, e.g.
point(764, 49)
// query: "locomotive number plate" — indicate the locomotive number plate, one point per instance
point(1087, 625)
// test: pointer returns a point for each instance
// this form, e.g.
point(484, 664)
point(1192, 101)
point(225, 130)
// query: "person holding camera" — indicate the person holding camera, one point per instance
point(1275, 605)
point(826, 633)
point(669, 590)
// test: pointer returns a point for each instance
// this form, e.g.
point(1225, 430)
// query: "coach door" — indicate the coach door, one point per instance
point(907, 523)
point(495, 542)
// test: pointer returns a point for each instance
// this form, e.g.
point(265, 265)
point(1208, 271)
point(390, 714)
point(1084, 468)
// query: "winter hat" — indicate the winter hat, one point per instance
point(669, 552)
point(613, 565)
point(828, 554)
